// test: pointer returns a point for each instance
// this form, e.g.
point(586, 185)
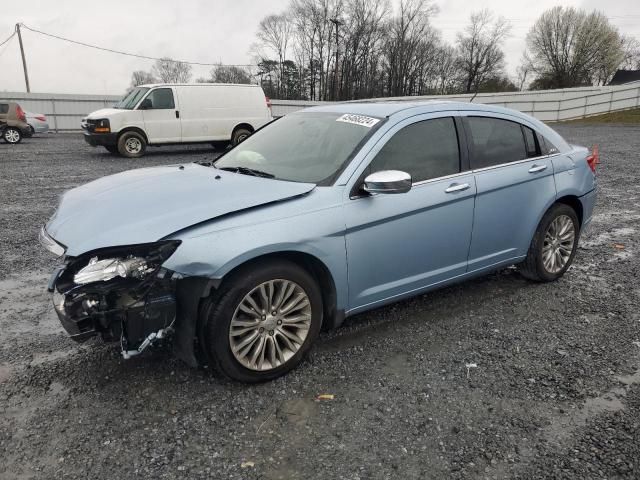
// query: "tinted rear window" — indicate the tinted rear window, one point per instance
point(495, 141)
point(4, 107)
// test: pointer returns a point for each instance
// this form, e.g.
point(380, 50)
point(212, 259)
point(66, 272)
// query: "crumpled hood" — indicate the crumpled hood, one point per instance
point(146, 205)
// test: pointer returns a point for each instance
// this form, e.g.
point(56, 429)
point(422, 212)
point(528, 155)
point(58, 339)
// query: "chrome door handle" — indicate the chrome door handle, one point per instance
point(456, 187)
point(537, 168)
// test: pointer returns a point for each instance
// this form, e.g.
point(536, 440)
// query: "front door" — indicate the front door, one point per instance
point(161, 117)
point(401, 243)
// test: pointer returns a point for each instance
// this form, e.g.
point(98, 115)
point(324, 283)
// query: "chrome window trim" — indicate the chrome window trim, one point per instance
point(437, 179)
point(541, 157)
point(479, 170)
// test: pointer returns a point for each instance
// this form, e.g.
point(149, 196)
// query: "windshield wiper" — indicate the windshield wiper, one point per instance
point(248, 171)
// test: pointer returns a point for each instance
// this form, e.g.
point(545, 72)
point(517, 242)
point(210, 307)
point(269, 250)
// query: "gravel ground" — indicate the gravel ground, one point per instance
point(555, 394)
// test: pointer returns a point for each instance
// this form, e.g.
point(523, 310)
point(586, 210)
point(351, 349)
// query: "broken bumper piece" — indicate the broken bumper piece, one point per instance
point(136, 307)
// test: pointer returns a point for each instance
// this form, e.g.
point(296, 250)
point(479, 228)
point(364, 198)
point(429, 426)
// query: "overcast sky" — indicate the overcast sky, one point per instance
point(201, 31)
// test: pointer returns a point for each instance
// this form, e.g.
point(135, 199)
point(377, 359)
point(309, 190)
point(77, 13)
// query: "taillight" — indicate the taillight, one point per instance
point(42, 118)
point(268, 100)
point(594, 158)
point(20, 113)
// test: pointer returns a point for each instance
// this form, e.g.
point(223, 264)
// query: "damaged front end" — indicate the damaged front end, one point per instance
point(122, 294)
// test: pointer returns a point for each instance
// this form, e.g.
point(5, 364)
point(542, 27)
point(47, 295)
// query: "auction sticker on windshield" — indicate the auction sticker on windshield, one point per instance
point(358, 120)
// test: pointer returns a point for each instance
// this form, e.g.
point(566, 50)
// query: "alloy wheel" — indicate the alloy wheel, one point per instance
point(270, 325)
point(559, 241)
point(11, 135)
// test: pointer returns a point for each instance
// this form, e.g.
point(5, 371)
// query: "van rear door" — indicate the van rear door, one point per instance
point(161, 116)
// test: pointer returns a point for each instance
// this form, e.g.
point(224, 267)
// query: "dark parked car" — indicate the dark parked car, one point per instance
point(13, 122)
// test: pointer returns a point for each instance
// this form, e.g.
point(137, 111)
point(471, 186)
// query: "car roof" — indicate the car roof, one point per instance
point(198, 84)
point(389, 108)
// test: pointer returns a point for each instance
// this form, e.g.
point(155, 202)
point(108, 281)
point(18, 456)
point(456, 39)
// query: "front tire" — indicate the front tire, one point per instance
point(554, 245)
point(131, 145)
point(12, 135)
point(263, 321)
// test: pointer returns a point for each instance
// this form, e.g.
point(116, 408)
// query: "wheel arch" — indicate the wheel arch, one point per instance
point(242, 125)
point(312, 265)
point(134, 129)
point(574, 202)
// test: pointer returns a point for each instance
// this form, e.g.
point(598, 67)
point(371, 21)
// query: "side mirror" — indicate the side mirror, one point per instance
point(146, 104)
point(388, 181)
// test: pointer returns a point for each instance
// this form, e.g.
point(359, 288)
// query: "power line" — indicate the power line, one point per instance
point(128, 54)
point(10, 37)
point(6, 45)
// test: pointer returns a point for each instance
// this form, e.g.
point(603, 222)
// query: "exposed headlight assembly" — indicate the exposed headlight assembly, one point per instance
point(134, 262)
point(109, 268)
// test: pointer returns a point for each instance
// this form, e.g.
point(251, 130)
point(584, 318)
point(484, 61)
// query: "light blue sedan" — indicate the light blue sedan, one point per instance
point(320, 215)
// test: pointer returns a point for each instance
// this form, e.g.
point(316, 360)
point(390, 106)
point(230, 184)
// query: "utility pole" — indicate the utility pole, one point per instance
point(337, 23)
point(24, 60)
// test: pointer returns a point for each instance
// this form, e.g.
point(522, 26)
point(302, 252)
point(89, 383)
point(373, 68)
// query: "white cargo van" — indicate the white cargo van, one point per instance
point(162, 114)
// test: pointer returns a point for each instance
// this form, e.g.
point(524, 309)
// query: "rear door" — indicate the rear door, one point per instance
point(514, 186)
point(161, 116)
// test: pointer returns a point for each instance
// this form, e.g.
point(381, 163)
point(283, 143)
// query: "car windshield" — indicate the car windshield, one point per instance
point(307, 147)
point(132, 98)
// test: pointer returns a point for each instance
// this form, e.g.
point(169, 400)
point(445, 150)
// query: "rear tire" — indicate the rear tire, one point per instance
point(553, 246)
point(240, 135)
point(231, 318)
point(131, 145)
point(12, 135)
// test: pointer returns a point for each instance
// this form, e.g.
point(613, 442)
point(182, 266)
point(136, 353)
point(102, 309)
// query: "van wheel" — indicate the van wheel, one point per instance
point(12, 135)
point(131, 145)
point(262, 322)
point(553, 246)
point(240, 135)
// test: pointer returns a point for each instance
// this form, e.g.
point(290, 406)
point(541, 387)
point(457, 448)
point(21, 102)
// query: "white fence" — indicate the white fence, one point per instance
point(66, 111)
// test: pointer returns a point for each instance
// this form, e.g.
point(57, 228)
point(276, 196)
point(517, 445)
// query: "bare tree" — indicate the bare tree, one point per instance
point(523, 72)
point(479, 52)
point(140, 77)
point(631, 53)
point(171, 71)
point(228, 74)
point(274, 33)
point(570, 47)
point(446, 70)
point(410, 47)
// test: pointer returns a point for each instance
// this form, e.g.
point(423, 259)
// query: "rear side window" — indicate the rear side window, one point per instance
point(425, 150)
point(161, 99)
point(532, 143)
point(495, 141)
point(546, 147)
point(4, 108)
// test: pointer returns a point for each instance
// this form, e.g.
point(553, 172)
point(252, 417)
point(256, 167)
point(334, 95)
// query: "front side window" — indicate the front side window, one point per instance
point(495, 141)
point(159, 99)
point(425, 150)
point(132, 98)
point(310, 147)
